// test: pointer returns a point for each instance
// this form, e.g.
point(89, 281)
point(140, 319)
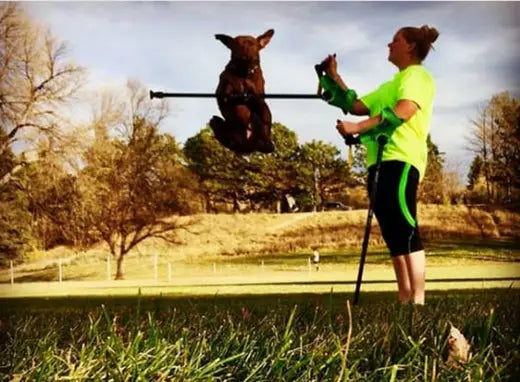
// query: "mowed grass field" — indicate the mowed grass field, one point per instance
point(237, 300)
point(255, 279)
point(275, 337)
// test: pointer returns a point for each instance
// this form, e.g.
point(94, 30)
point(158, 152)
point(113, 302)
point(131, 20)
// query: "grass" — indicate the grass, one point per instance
point(441, 254)
point(259, 338)
point(230, 313)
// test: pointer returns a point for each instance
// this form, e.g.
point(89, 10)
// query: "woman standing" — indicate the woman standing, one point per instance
point(408, 99)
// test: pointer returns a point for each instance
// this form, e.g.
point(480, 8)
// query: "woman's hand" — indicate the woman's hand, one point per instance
point(331, 66)
point(347, 128)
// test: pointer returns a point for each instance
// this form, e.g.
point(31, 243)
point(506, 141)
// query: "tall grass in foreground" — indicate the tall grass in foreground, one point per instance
point(262, 339)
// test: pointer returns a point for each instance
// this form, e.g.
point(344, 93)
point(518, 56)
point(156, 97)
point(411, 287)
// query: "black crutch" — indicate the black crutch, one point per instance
point(382, 139)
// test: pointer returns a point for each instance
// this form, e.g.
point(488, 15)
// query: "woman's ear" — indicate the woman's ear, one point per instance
point(411, 47)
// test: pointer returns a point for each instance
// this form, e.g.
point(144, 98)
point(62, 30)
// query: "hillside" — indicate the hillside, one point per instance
point(210, 235)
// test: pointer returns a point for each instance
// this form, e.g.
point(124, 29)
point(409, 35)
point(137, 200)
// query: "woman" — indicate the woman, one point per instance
point(409, 96)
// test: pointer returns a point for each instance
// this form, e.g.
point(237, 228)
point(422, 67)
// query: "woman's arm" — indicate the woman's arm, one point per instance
point(358, 108)
point(405, 109)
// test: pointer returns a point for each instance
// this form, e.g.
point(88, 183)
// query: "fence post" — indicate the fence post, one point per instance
point(169, 272)
point(12, 273)
point(60, 271)
point(214, 268)
point(263, 268)
point(309, 265)
point(108, 268)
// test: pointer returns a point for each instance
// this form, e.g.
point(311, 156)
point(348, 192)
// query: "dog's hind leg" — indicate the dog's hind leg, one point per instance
point(229, 136)
point(222, 132)
point(261, 124)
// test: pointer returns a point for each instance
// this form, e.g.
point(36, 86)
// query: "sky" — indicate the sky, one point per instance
point(170, 46)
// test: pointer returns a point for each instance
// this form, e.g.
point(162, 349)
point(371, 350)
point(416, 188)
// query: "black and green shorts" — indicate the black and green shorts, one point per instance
point(396, 206)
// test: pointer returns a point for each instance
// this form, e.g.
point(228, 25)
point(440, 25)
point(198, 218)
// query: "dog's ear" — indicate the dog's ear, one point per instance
point(226, 40)
point(264, 39)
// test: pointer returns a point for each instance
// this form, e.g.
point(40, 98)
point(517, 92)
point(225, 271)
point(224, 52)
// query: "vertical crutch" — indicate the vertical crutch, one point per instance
point(382, 139)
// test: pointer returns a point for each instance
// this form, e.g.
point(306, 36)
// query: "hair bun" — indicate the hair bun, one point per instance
point(429, 33)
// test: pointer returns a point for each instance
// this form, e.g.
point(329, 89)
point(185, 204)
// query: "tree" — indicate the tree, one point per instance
point(496, 140)
point(272, 176)
point(358, 166)
point(132, 185)
point(260, 179)
point(220, 171)
point(431, 189)
point(35, 81)
point(480, 143)
point(51, 194)
point(475, 172)
point(15, 219)
point(504, 112)
point(322, 172)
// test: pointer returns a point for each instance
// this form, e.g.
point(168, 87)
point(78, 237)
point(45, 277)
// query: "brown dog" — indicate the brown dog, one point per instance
point(246, 126)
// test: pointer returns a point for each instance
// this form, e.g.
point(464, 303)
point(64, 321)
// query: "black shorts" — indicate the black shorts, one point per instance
point(396, 206)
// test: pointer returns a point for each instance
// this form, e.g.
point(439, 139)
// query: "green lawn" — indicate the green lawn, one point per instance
point(265, 274)
point(261, 318)
point(276, 337)
point(246, 279)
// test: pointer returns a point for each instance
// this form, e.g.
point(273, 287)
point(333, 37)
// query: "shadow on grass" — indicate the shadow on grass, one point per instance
point(348, 255)
point(503, 249)
point(474, 244)
point(494, 250)
point(259, 302)
point(50, 274)
point(506, 250)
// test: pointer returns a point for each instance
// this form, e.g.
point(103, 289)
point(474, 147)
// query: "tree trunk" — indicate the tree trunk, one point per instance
point(119, 272)
point(317, 196)
point(207, 203)
point(236, 207)
point(278, 206)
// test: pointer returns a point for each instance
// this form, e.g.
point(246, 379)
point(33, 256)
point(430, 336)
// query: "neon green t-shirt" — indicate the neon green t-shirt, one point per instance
point(408, 142)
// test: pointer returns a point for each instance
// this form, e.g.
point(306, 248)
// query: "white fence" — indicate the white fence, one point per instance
point(60, 266)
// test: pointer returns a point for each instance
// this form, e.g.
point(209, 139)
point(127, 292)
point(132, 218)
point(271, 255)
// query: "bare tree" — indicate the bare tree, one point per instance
point(480, 143)
point(132, 185)
point(453, 185)
point(495, 140)
point(35, 81)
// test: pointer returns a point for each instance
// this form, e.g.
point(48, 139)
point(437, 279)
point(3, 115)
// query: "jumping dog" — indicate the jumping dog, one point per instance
point(246, 126)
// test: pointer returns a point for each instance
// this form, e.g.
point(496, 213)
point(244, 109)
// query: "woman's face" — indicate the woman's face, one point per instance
point(399, 48)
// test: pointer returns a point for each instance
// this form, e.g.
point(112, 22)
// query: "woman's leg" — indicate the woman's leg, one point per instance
point(396, 213)
point(415, 265)
point(403, 278)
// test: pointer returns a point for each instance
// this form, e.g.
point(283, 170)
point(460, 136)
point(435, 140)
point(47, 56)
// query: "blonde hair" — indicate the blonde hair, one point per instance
point(422, 37)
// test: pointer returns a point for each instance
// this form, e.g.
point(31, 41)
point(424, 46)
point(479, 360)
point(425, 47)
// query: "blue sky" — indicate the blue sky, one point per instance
point(170, 46)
